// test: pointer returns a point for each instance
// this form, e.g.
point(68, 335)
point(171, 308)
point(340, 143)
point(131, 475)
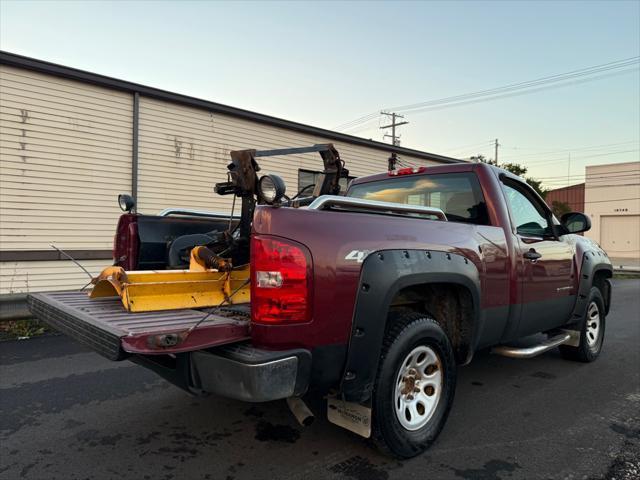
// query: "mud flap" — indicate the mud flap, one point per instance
point(352, 416)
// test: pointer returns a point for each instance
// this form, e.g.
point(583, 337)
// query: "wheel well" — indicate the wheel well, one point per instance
point(448, 303)
point(599, 281)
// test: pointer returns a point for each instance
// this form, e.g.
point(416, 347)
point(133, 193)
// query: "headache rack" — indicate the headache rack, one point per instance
point(329, 202)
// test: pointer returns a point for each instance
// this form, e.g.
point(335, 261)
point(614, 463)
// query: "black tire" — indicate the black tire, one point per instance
point(590, 345)
point(406, 332)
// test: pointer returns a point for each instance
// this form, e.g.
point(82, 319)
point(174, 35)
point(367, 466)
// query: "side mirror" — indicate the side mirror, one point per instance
point(575, 222)
point(127, 202)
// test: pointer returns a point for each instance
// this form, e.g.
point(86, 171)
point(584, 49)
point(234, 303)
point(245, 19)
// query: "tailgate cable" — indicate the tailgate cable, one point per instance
point(183, 336)
point(74, 261)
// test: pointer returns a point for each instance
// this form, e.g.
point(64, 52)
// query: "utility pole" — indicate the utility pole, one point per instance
point(393, 159)
point(395, 139)
point(496, 144)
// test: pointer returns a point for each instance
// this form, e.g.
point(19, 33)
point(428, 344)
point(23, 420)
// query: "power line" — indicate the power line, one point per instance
point(547, 152)
point(600, 185)
point(616, 181)
point(560, 182)
point(527, 84)
point(566, 149)
point(563, 159)
point(499, 96)
point(352, 123)
point(469, 146)
point(519, 88)
point(604, 175)
point(596, 178)
point(514, 94)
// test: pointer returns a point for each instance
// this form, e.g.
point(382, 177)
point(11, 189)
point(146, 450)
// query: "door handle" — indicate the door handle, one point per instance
point(532, 255)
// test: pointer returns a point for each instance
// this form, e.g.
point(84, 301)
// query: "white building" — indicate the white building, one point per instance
point(612, 200)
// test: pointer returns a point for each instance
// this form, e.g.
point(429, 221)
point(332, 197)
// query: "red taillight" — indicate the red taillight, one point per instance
point(126, 243)
point(281, 273)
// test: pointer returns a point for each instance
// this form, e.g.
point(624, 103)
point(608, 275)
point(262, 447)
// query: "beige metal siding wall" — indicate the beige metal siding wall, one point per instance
point(65, 154)
point(183, 151)
point(35, 276)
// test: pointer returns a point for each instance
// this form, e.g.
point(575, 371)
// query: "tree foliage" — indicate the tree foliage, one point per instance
point(516, 169)
point(560, 208)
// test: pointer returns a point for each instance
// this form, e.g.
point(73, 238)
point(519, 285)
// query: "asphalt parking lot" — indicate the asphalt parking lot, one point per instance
point(67, 413)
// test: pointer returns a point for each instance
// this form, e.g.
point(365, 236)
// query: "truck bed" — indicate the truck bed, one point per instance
point(106, 327)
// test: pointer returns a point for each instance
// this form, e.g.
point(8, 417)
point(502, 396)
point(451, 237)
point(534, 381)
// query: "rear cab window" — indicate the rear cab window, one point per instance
point(458, 195)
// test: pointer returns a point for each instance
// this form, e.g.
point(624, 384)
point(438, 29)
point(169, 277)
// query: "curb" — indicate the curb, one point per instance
point(13, 306)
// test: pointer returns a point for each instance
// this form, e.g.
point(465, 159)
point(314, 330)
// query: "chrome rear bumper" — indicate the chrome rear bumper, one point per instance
point(246, 373)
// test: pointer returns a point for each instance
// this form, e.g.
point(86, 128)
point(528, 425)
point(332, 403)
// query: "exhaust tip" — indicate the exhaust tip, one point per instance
point(299, 409)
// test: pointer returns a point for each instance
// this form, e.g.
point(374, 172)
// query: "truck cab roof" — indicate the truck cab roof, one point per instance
point(421, 170)
point(435, 170)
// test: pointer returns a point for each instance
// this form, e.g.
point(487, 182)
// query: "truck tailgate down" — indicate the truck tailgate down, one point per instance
point(105, 326)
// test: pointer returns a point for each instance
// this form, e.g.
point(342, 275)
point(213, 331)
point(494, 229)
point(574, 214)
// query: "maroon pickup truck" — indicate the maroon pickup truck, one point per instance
point(371, 298)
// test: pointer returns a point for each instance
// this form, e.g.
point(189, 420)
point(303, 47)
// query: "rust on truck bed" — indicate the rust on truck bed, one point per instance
point(105, 326)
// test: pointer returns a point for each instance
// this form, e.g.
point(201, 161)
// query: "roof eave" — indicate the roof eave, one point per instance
point(15, 60)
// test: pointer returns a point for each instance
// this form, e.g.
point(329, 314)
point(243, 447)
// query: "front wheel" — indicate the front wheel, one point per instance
point(415, 385)
point(591, 331)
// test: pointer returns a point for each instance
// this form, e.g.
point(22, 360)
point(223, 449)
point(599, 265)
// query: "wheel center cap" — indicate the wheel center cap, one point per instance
point(409, 383)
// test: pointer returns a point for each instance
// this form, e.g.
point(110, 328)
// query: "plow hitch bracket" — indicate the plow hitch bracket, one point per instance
point(149, 291)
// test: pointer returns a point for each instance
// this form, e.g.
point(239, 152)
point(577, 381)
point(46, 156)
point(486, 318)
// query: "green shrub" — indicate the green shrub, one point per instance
point(26, 328)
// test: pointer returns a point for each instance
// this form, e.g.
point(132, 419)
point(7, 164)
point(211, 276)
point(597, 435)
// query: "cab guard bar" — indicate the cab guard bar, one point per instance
point(325, 202)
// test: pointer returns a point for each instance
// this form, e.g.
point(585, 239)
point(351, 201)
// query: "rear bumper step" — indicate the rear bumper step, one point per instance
point(106, 327)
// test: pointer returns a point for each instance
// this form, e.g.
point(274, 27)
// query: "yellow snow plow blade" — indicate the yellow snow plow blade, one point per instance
point(149, 291)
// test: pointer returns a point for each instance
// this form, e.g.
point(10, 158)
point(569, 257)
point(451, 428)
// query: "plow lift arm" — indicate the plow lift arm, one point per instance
point(243, 182)
point(218, 272)
point(334, 169)
point(243, 179)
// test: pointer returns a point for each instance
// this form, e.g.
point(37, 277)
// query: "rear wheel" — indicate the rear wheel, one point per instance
point(415, 385)
point(418, 387)
point(591, 331)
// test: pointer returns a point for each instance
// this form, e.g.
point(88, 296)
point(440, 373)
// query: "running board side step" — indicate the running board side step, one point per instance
point(567, 337)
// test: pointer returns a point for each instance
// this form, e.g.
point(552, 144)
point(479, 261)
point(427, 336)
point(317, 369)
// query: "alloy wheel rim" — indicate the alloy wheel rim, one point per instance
point(418, 387)
point(593, 324)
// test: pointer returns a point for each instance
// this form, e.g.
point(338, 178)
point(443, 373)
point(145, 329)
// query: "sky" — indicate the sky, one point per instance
point(326, 64)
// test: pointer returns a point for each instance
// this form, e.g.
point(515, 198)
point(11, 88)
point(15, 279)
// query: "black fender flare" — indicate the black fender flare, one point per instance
point(592, 263)
point(384, 273)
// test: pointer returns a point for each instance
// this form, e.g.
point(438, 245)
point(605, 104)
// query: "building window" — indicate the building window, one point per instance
point(307, 179)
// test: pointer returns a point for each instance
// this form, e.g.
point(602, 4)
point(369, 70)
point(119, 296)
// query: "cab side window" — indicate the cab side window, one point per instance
point(529, 217)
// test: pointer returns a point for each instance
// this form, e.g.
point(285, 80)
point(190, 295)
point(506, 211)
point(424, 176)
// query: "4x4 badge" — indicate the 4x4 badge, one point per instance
point(357, 255)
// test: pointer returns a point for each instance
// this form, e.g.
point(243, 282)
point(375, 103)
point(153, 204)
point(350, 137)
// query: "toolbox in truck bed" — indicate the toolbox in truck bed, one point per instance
point(105, 326)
